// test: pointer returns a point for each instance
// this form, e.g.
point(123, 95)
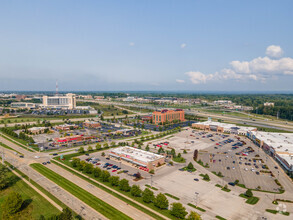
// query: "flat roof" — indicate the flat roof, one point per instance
point(226, 126)
point(281, 142)
point(137, 154)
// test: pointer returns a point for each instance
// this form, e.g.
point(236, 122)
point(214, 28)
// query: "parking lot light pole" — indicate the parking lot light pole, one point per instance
point(196, 196)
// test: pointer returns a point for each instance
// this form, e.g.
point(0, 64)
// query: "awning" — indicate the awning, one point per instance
point(114, 155)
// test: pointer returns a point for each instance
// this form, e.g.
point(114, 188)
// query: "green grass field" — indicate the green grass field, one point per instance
point(128, 194)
point(96, 203)
point(35, 206)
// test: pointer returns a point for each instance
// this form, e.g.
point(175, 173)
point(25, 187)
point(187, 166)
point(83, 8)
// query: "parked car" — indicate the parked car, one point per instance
point(195, 179)
point(231, 184)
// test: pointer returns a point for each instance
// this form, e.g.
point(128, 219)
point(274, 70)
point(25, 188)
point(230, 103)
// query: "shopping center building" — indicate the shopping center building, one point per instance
point(222, 127)
point(277, 145)
point(138, 157)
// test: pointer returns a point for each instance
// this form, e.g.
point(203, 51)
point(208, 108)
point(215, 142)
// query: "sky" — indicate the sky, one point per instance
point(145, 45)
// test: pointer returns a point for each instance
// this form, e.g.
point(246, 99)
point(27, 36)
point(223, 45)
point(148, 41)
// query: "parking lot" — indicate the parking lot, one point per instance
point(114, 166)
point(237, 160)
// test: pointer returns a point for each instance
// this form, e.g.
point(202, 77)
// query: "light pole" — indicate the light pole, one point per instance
point(151, 180)
point(196, 197)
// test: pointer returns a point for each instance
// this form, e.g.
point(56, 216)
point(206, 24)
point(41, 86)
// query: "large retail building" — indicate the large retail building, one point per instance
point(222, 127)
point(277, 145)
point(138, 157)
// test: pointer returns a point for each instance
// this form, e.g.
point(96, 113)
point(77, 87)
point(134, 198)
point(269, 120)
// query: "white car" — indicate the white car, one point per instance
point(37, 157)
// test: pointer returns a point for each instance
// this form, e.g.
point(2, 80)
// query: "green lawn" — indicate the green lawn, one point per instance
point(96, 203)
point(127, 194)
point(36, 205)
point(250, 200)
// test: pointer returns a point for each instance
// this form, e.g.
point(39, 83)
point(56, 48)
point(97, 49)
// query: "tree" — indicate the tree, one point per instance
point(148, 195)
point(98, 146)
point(173, 152)
point(90, 148)
point(184, 151)
point(135, 191)
point(66, 214)
point(249, 193)
point(193, 216)
point(88, 168)
point(161, 201)
point(178, 210)
point(124, 185)
point(179, 155)
point(3, 177)
point(190, 166)
point(114, 180)
point(12, 204)
point(97, 172)
point(147, 148)
point(103, 154)
point(105, 175)
point(206, 177)
point(81, 150)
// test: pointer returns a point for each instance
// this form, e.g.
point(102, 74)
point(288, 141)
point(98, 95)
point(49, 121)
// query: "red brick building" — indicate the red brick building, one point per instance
point(168, 116)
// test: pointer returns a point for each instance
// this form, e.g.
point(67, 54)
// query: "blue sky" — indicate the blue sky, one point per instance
point(146, 45)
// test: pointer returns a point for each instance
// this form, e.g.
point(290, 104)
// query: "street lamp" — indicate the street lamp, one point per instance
point(196, 196)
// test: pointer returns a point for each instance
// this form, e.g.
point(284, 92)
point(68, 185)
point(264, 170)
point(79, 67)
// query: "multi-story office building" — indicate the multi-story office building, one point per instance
point(168, 116)
point(68, 101)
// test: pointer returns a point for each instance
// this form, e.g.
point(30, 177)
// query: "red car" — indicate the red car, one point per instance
point(114, 170)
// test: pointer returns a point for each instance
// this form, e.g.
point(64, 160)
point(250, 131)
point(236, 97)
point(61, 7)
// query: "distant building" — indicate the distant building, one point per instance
point(26, 105)
point(67, 102)
point(37, 130)
point(223, 102)
point(66, 127)
point(138, 157)
point(99, 97)
point(91, 124)
point(168, 116)
point(223, 127)
point(269, 104)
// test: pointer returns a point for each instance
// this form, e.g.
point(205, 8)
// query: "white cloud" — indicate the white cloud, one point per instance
point(197, 77)
point(180, 80)
point(274, 51)
point(258, 69)
point(183, 45)
point(131, 44)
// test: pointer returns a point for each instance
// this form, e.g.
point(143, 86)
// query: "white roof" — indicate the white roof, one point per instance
point(140, 155)
point(281, 142)
point(226, 126)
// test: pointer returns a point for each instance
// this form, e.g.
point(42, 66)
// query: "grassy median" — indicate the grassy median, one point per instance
point(96, 203)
